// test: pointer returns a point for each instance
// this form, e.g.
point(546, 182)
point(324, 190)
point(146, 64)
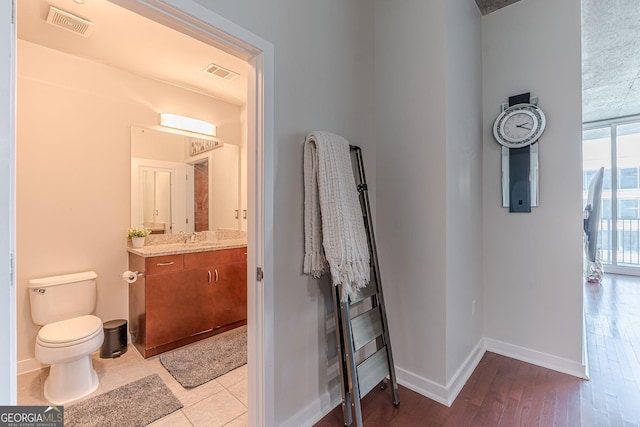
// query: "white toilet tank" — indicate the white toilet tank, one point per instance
point(63, 297)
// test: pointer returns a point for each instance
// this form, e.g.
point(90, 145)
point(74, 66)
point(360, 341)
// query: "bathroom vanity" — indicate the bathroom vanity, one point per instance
point(186, 293)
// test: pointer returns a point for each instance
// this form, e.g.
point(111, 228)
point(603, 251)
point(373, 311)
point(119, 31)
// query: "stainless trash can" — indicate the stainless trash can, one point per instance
point(115, 339)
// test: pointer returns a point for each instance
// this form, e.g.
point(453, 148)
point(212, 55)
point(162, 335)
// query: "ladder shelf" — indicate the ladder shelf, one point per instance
point(364, 346)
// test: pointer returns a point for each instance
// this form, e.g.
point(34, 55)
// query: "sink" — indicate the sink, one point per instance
point(195, 244)
point(199, 244)
point(170, 248)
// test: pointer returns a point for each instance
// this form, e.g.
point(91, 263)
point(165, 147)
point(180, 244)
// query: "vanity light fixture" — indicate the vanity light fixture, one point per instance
point(187, 123)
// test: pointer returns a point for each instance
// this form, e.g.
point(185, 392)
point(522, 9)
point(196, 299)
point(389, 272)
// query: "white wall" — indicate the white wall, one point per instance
point(428, 122)
point(410, 49)
point(463, 183)
point(533, 261)
point(73, 173)
point(323, 81)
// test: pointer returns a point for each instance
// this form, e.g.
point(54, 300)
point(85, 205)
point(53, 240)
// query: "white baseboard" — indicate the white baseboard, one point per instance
point(29, 365)
point(422, 385)
point(443, 394)
point(320, 407)
point(538, 358)
point(585, 353)
point(463, 373)
point(315, 411)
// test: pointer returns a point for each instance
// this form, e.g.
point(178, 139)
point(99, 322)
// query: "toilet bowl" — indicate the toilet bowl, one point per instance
point(69, 333)
point(67, 346)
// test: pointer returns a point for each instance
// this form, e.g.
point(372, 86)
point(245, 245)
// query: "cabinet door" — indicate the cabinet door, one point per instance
point(224, 188)
point(229, 294)
point(178, 306)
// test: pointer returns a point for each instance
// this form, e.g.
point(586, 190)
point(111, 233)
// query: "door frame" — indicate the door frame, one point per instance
point(8, 352)
point(207, 26)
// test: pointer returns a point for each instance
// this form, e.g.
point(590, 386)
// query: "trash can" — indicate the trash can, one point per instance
point(115, 339)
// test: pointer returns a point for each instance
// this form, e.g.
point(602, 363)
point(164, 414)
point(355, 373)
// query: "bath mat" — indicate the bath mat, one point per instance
point(135, 404)
point(210, 358)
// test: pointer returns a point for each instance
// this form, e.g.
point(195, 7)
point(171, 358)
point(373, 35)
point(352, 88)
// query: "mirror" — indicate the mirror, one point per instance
point(182, 183)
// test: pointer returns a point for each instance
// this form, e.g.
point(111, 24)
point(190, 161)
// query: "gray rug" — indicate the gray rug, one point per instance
point(210, 358)
point(135, 404)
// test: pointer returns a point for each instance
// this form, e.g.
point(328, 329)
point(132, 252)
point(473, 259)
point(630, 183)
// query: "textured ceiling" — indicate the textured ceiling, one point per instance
point(610, 56)
point(610, 59)
point(488, 6)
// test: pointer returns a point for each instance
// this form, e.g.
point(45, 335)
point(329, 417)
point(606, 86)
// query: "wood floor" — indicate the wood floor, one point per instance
point(507, 392)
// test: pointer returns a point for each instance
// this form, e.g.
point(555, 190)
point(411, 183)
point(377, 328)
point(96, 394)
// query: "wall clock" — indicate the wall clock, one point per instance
point(519, 125)
point(518, 128)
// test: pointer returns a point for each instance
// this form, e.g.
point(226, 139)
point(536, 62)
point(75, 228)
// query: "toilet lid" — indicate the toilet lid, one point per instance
point(70, 330)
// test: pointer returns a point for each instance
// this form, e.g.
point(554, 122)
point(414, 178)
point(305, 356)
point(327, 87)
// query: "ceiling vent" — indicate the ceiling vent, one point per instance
point(67, 21)
point(221, 72)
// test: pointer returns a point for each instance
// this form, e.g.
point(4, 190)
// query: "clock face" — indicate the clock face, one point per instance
point(519, 125)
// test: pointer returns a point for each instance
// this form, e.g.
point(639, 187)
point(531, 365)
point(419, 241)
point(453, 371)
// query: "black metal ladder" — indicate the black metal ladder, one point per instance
point(364, 346)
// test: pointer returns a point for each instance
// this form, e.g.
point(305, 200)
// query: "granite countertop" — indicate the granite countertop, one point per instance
point(182, 248)
point(163, 244)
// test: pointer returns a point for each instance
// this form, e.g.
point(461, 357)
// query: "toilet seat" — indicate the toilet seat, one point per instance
point(69, 332)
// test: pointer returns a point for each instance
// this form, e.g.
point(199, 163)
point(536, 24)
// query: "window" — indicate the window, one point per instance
point(586, 179)
point(628, 178)
point(615, 145)
point(588, 175)
point(628, 209)
point(606, 180)
point(606, 209)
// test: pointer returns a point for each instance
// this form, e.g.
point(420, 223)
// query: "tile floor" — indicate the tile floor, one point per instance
point(220, 402)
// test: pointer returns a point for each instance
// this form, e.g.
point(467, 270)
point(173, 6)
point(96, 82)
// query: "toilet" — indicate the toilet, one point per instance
point(62, 305)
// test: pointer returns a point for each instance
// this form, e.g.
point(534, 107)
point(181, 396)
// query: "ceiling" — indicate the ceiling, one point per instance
point(488, 6)
point(610, 59)
point(130, 42)
point(610, 56)
point(610, 50)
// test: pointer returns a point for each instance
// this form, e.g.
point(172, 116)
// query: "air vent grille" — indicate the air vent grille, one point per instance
point(67, 21)
point(221, 72)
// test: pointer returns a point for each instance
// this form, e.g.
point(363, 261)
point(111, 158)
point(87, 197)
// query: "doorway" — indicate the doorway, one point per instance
point(201, 196)
point(217, 31)
point(615, 145)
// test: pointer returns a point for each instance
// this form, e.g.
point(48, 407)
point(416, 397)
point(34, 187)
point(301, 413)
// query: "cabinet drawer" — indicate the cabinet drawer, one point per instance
point(209, 258)
point(164, 264)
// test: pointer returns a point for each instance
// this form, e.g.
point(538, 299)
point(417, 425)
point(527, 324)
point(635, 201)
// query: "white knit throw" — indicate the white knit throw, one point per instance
point(332, 215)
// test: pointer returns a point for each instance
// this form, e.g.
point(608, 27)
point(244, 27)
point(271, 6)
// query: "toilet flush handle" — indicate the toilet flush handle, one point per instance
point(39, 290)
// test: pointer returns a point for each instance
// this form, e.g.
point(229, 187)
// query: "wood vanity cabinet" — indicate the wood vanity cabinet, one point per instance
point(183, 298)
